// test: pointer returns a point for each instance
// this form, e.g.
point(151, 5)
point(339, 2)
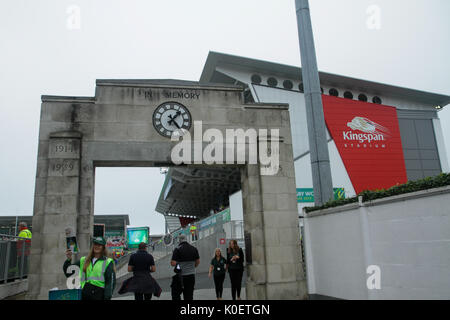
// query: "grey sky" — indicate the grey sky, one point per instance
point(40, 55)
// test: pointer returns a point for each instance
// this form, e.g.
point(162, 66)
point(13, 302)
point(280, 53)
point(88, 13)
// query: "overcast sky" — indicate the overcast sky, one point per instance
point(46, 48)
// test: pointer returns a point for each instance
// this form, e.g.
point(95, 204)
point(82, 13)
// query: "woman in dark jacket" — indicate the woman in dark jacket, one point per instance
point(219, 265)
point(235, 261)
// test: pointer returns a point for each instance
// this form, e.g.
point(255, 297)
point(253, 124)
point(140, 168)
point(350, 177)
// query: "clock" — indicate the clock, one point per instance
point(170, 117)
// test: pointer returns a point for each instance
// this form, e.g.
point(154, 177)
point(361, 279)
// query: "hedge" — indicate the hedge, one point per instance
point(411, 186)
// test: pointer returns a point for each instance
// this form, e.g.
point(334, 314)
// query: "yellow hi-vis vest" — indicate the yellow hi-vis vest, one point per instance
point(25, 233)
point(95, 275)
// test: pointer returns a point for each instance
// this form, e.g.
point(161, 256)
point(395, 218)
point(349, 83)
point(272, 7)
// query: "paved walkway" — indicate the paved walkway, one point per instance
point(204, 288)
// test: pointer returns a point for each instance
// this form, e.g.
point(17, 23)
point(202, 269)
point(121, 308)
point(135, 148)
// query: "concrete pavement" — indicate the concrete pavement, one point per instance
point(204, 288)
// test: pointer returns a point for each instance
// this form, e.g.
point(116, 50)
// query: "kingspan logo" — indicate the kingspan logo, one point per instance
point(372, 131)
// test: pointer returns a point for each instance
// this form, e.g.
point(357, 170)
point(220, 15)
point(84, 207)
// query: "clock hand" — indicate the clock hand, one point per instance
point(176, 124)
point(171, 119)
point(176, 115)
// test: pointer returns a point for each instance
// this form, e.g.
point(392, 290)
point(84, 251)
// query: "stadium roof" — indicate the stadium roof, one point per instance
point(216, 59)
point(194, 191)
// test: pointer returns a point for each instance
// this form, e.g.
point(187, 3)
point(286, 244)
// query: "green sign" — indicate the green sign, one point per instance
point(224, 216)
point(339, 193)
point(307, 194)
point(137, 235)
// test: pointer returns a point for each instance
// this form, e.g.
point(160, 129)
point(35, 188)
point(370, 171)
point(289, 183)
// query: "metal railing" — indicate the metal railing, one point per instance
point(232, 229)
point(14, 257)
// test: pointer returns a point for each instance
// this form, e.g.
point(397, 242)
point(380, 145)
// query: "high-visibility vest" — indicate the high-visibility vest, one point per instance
point(193, 228)
point(95, 275)
point(25, 233)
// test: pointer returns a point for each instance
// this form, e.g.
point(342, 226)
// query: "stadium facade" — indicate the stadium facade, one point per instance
point(378, 134)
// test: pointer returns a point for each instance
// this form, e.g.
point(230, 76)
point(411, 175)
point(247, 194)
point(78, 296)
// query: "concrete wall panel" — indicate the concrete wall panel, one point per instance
point(406, 236)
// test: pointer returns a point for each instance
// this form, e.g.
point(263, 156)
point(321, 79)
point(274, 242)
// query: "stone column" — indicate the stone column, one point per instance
point(85, 220)
point(253, 233)
point(272, 232)
point(56, 208)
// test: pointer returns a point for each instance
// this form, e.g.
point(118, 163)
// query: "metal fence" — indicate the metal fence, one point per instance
point(14, 257)
point(232, 229)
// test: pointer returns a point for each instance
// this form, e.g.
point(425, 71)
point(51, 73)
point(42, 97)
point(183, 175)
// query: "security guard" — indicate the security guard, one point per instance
point(23, 246)
point(97, 272)
point(24, 231)
point(193, 230)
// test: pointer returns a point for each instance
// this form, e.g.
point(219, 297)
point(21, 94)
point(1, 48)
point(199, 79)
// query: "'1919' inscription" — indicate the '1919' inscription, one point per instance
point(60, 167)
point(66, 166)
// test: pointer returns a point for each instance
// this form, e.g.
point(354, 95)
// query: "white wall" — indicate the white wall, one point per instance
point(407, 236)
point(441, 145)
point(236, 209)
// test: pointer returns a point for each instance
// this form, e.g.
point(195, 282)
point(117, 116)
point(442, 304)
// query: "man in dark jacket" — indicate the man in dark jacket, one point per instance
point(187, 257)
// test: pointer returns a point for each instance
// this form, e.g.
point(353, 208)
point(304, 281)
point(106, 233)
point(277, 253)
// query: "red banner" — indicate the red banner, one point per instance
point(367, 137)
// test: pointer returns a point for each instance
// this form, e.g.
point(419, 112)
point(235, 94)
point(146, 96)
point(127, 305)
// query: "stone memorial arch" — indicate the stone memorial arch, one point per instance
point(125, 124)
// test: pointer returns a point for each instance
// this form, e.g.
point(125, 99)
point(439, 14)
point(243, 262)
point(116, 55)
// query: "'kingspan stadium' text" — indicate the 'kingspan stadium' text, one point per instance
point(362, 137)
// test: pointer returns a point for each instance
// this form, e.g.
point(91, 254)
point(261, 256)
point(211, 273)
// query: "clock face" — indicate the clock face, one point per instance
point(171, 117)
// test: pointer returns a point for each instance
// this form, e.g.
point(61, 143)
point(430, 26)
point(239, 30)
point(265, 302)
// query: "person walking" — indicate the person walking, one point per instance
point(187, 257)
point(97, 272)
point(235, 261)
point(142, 283)
point(219, 266)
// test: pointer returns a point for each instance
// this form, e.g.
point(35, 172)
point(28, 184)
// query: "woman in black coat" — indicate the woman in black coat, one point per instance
point(235, 261)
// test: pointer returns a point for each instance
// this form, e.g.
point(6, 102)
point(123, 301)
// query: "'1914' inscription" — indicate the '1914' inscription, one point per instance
point(64, 149)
